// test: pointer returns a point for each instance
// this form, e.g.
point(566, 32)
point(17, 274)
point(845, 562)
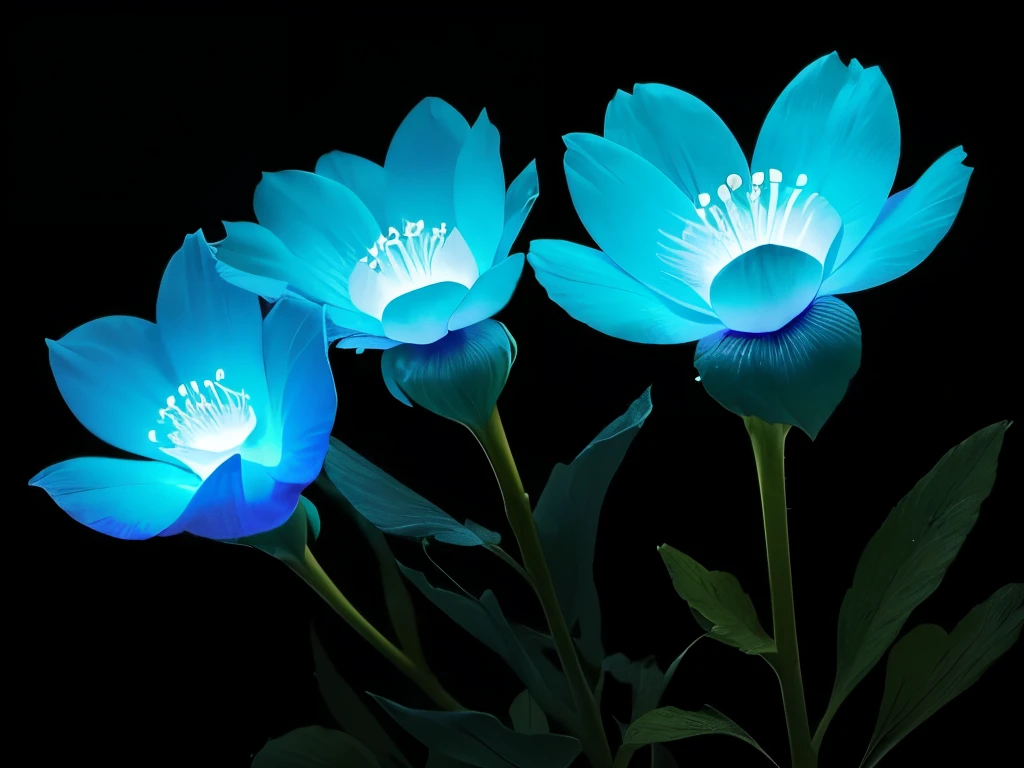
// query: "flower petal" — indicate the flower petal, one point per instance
point(631, 209)
point(207, 324)
point(115, 376)
point(459, 377)
point(679, 135)
point(480, 192)
point(341, 322)
point(763, 289)
point(122, 498)
point(249, 247)
point(363, 341)
point(420, 165)
point(590, 287)
point(797, 375)
point(522, 194)
point(239, 499)
point(324, 224)
point(908, 229)
point(362, 176)
point(489, 294)
point(303, 400)
point(838, 125)
point(421, 316)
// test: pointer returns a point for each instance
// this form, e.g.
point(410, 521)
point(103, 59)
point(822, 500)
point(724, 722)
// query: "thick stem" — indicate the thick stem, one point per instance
point(769, 442)
point(311, 572)
point(520, 517)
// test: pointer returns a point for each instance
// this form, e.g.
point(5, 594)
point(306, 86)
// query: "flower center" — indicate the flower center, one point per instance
point(208, 426)
point(399, 263)
point(732, 224)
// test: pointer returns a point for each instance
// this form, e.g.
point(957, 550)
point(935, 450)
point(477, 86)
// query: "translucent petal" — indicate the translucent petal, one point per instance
point(797, 375)
point(908, 229)
point(522, 194)
point(480, 192)
point(421, 317)
point(679, 135)
point(489, 294)
point(119, 497)
point(362, 176)
point(591, 287)
point(838, 126)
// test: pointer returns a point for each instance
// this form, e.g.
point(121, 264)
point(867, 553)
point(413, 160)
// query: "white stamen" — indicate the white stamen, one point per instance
point(733, 224)
point(208, 427)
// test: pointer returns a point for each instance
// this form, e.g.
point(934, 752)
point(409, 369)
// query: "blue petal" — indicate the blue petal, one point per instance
point(459, 377)
point(480, 192)
point(489, 294)
point(362, 176)
point(343, 322)
point(679, 135)
point(628, 206)
point(839, 126)
point(590, 287)
point(119, 497)
point(765, 288)
point(325, 225)
point(421, 316)
point(360, 341)
point(796, 376)
point(251, 257)
point(207, 324)
point(239, 499)
point(303, 400)
point(115, 376)
point(522, 194)
point(420, 165)
point(910, 226)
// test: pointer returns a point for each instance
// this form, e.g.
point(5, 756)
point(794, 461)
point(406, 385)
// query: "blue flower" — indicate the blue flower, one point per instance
point(232, 411)
point(696, 244)
point(399, 254)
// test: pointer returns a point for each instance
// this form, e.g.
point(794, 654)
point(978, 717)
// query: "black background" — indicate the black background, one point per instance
point(128, 133)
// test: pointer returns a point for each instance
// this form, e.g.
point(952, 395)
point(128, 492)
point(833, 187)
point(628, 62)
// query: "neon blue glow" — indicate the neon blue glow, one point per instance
point(231, 411)
point(402, 253)
point(694, 242)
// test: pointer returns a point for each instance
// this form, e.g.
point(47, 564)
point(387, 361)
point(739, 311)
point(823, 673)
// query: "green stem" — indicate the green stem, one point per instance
point(520, 517)
point(624, 755)
point(510, 561)
point(769, 442)
point(311, 572)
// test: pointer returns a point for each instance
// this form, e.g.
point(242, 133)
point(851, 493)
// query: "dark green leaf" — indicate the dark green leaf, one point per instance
point(481, 740)
point(646, 680)
point(671, 724)
point(928, 668)
point(391, 506)
point(484, 620)
point(567, 515)
point(349, 710)
point(314, 747)
point(441, 760)
point(718, 597)
point(905, 561)
point(396, 596)
point(661, 757)
point(527, 716)
point(288, 542)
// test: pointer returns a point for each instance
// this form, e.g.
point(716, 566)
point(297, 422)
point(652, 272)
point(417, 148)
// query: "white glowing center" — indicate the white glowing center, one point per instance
point(207, 426)
point(399, 263)
point(730, 225)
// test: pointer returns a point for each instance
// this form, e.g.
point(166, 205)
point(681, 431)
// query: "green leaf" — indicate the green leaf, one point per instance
point(527, 716)
point(484, 620)
point(718, 597)
point(928, 668)
point(905, 561)
point(314, 747)
point(348, 709)
point(671, 724)
point(288, 542)
point(645, 679)
point(481, 740)
point(396, 596)
point(567, 516)
point(392, 507)
point(441, 760)
point(662, 758)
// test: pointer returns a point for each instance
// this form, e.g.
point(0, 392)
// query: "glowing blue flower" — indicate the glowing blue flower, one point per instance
point(398, 254)
point(232, 411)
point(696, 244)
